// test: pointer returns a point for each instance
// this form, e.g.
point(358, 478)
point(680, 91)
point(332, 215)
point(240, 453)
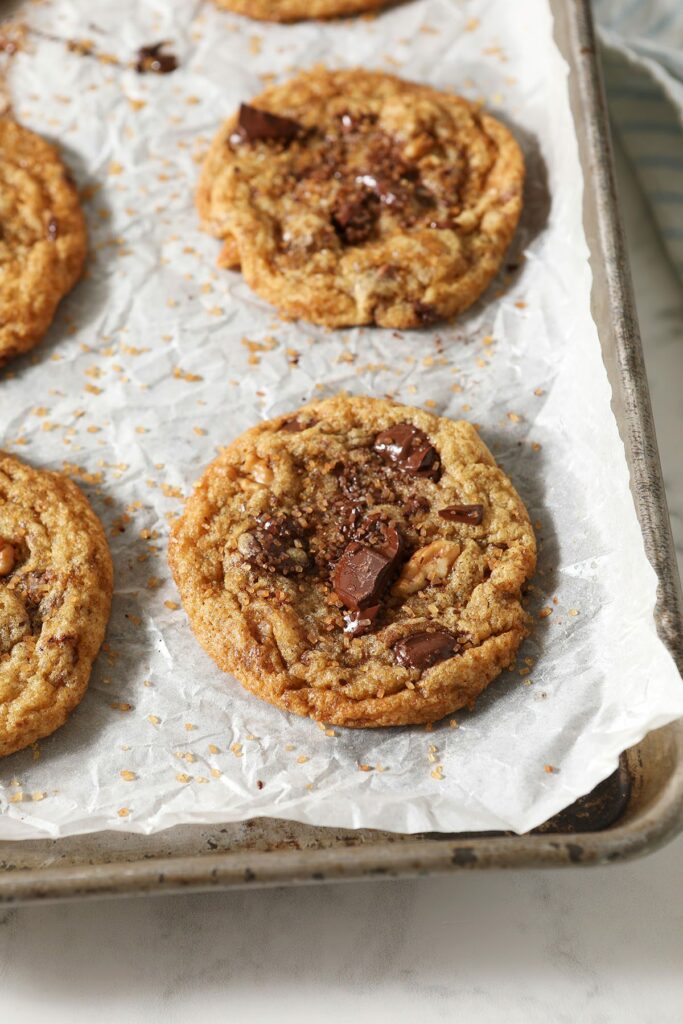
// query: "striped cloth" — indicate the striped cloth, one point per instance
point(643, 61)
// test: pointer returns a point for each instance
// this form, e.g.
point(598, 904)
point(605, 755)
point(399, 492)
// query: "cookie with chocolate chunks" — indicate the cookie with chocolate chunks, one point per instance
point(300, 10)
point(316, 565)
point(42, 237)
point(354, 197)
point(55, 595)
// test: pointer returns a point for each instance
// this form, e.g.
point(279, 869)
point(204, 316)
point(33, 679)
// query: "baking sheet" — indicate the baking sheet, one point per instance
point(158, 358)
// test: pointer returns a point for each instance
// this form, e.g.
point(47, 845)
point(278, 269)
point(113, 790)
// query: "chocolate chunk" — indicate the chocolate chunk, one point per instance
point(354, 216)
point(151, 59)
point(409, 449)
point(471, 514)
point(254, 125)
point(361, 622)
point(365, 570)
point(361, 576)
point(422, 650)
point(52, 229)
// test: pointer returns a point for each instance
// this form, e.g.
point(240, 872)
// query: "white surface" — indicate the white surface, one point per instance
point(582, 704)
point(601, 946)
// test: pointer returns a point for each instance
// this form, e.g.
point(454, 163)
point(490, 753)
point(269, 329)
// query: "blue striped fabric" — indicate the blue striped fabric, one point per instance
point(643, 60)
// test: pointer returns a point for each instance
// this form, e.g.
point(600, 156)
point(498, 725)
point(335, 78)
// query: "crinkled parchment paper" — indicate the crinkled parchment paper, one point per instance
point(158, 358)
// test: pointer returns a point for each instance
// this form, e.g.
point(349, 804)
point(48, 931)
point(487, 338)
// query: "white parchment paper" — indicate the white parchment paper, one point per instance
point(157, 358)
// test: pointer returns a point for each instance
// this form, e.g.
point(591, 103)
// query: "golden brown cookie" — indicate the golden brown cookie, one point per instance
point(42, 237)
point(357, 561)
point(352, 197)
point(55, 595)
point(300, 10)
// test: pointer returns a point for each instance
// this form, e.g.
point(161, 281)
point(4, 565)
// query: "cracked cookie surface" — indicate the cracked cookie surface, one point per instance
point(55, 596)
point(43, 239)
point(353, 197)
point(300, 10)
point(358, 561)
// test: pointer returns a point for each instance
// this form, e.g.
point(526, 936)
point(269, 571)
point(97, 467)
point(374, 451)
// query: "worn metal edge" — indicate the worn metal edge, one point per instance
point(420, 857)
point(637, 423)
point(267, 869)
point(631, 397)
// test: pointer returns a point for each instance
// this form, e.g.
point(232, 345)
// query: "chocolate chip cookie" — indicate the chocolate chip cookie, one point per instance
point(353, 197)
point(357, 561)
point(42, 237)
point(300, 10)
point(55, 595)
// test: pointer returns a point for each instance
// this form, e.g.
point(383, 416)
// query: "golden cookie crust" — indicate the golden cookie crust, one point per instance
point(394, 205)
point(267, 611)
point(43, 239)
point(300, 10)
point(55, 594)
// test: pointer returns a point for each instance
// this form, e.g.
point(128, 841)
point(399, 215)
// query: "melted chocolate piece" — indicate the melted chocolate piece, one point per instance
point(393, 180)
point(361, 622)
point(276, 543)
point(365, 569)
point(295, 426)
point(422, 650)
point(471, 514)
point(349, 513)
point(254, 125)
point(409, 449)
point(415, 506)
point(354, 217)
point(151, 59)
point(426, 314)
point(377, 532)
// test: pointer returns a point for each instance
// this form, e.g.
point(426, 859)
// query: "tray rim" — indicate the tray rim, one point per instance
point(421, 855)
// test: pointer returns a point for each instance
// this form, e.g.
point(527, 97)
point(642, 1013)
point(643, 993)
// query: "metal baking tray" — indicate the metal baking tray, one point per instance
point(633, 812)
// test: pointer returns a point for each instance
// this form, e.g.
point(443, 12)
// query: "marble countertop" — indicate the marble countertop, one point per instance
point(596, 946)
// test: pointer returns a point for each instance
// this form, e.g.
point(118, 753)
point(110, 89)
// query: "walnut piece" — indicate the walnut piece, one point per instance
point(253, 474)
point(430, 564)
point(7, 557)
